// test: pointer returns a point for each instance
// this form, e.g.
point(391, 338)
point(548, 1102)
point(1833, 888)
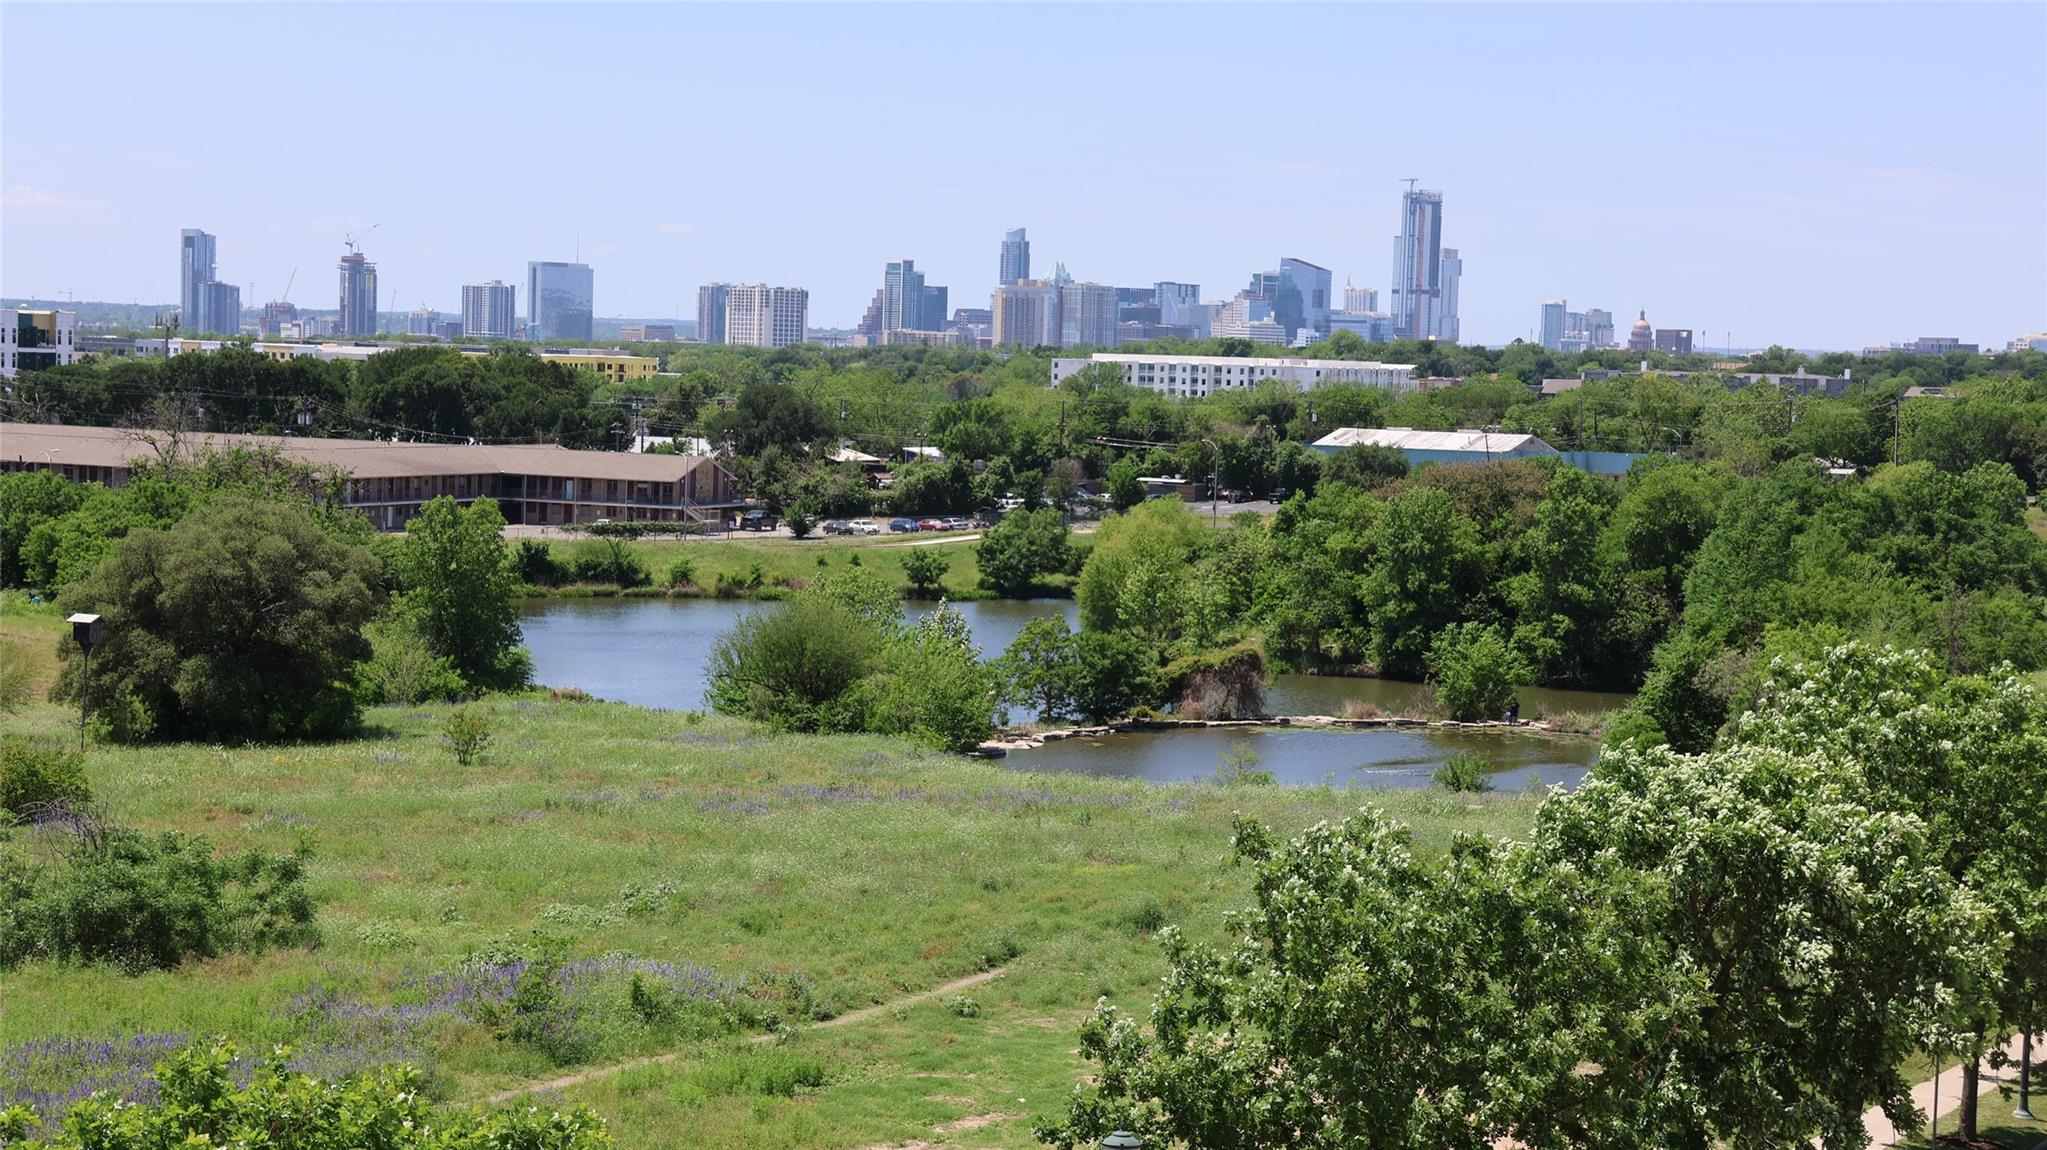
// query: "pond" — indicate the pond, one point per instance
point(652, 652)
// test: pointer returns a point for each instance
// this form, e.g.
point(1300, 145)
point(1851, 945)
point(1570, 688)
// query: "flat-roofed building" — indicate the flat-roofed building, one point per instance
point(533, 483)
point(1194, 376)
point(616, 367)
point(35, 340)
point(647, 333)
point(757, 315)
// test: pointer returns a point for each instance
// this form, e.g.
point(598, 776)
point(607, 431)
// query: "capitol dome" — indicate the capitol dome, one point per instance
point(1641, 337)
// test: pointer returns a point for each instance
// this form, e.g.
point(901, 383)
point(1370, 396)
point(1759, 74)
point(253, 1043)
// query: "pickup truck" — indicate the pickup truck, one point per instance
point(758, 520)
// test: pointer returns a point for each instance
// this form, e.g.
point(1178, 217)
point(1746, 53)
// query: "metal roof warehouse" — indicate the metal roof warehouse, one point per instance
point(533, 483)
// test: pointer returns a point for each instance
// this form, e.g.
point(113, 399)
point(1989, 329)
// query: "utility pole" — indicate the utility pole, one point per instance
point(1897, 425)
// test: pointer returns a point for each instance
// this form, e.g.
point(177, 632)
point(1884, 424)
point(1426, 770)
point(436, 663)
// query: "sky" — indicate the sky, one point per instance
point(1826, 176)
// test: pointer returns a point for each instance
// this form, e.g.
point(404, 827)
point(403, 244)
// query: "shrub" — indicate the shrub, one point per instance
point(34, 776)
point(1360, 709)
point(1475, 671)
point(149, 902)
point(609, 561)
point(925, 569)
point(963, 1005)
point(466, 731)
point(800, 525)
point(789, 665)
point(1239, 767)
point(199, 1101)
point(243, 622)
point(402, 667)
point(1464, 773)
point(682, 572)
point(536, 565)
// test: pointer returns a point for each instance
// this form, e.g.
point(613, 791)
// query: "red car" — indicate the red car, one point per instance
point(931, 525)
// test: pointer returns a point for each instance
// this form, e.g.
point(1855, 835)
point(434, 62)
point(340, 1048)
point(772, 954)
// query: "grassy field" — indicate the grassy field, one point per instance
point(791, 562)
point(823, 874)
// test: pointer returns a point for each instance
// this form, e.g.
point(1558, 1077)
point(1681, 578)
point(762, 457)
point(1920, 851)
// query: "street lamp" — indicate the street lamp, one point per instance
point(1122, 1140)
point(86, 630)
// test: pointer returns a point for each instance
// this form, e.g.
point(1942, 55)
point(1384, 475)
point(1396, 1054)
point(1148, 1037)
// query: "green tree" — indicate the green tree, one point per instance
point(459, 580)
point(925, 569)
point(1020, 549)
point(1364, 465)
point(1125, 491)
point(1038, 669)
point(1423, 558)
point(1112, 675)
point(240, 623)
point(1475, 671)
point(1964, 755)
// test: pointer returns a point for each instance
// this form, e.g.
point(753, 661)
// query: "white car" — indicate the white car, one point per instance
point(865, 527)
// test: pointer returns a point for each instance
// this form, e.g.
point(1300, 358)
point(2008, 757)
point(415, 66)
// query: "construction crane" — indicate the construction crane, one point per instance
point(354, 242)
point(286, 297)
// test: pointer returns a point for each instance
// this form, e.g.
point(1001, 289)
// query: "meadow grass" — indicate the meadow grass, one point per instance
point(854, 869)
point(793, 562)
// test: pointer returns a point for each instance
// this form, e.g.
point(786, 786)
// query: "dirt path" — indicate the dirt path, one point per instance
point(849, 1018)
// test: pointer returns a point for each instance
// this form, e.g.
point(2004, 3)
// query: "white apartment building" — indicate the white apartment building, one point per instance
point(757, 315)
point(35, 340)
point(490, 311)
point(1195, 376)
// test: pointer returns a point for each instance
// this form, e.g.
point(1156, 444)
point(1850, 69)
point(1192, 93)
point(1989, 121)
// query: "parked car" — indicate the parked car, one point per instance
point(900, 525)
point(758, 520)
point(1281, 494)
point(837, 527)
point(864, 527)
point(933, 524)
point(955, 523)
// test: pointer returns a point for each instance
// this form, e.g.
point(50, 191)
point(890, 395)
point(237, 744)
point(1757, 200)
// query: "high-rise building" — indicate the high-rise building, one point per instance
point(1176, 302)
point(1359, 300)
point(902, 295)
point(932, 310)
point(1248, 317)
point(275, 315)
point(1554, 316)
point(195, 267)
point(561, 298)
point(1302, 300)
point(421, 320)
point(490, 311)
point(757, 315)
point(220, 309)
point(1087, 315)
point(1598, 328)
point(1026, 314)
point(1447, 327)
point(711, 303)
point(1418, 264)
point(358, 296)
point(1016, 257)
point(1675, 340)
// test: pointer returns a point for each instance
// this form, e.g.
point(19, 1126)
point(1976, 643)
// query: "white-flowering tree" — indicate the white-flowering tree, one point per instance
point(1968, 756)
point(1738, 948)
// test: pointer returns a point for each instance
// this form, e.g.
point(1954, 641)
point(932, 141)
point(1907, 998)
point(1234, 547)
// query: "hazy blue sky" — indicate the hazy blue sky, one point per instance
point(1826, 176)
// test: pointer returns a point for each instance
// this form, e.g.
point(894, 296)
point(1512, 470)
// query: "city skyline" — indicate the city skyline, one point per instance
point(1822, 219)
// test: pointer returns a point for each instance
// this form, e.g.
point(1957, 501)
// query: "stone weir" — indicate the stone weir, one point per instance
point(1025, 740)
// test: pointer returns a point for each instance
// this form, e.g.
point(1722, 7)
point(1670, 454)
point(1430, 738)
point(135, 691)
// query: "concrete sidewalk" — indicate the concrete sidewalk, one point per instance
point(1882, 1134)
